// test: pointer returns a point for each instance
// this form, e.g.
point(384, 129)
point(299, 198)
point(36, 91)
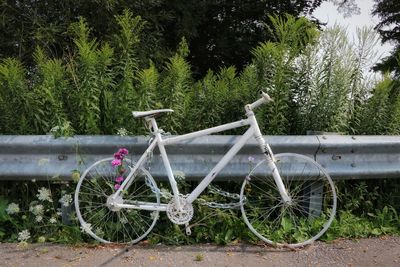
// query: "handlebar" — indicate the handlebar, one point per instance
point(264, 99)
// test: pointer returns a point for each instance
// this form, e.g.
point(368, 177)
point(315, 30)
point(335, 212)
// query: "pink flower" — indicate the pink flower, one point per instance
point(117, 186)
point(118, 156)
point(123, 151)
point(116, 162)
point(119, 179)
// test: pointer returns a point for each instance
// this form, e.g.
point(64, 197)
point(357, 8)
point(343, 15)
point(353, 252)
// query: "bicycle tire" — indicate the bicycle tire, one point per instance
point(125, 226)
point(296, 224)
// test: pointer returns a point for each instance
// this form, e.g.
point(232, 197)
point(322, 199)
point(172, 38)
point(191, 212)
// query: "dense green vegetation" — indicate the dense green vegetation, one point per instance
point(366, 208)
point(318, 81)
point(388, 28)
point(219, 33)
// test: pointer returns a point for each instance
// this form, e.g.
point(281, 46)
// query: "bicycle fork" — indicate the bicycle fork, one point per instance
point(270, 159)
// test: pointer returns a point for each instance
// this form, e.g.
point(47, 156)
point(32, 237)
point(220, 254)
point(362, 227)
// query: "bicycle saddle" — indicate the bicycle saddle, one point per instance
point(150, 113)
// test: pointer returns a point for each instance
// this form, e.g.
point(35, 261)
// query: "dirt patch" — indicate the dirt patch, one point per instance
point(384, 251)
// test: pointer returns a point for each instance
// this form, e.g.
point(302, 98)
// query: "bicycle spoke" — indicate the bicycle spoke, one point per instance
point(118, 225)
point(274, 221)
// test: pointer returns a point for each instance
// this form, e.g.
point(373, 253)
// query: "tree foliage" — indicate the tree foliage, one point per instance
point(389, 29)
point(219, 33)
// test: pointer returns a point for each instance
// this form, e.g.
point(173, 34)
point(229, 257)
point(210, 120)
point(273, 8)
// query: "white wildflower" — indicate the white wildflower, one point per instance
point(44, 194)
point(179, 175)
point(53, 220)
point(86, 227)
point(12, 208)
point(39, 218)
point(66, 200)
point(37, 210)
point(122, 132)
point(165, 193)
point(24, 235)
point(55, 129)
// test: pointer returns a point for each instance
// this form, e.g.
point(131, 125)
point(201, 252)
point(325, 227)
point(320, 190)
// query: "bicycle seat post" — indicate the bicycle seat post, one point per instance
point(157, 134)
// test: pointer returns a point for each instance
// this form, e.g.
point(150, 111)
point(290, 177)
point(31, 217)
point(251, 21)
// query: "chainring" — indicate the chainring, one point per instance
point(180, 217)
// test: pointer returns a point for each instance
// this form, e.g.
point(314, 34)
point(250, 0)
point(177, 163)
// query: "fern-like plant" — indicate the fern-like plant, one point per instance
point(48, 90)
point(15, 100)
point(84, 100)
point(176, 82)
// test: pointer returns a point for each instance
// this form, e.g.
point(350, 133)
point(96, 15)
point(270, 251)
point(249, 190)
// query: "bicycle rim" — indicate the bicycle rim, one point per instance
point(294, 224)
point(95, 186)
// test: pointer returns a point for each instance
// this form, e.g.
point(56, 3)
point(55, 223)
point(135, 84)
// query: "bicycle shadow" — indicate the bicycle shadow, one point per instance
point(202, 248)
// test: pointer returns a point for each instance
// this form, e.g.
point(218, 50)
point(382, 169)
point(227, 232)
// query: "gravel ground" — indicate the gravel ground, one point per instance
point(384, 251)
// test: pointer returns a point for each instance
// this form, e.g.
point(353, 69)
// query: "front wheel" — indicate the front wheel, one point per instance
point(109, 224)
point(298, 222)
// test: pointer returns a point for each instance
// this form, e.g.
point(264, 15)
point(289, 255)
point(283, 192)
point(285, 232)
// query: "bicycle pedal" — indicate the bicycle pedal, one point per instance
point(187, 228)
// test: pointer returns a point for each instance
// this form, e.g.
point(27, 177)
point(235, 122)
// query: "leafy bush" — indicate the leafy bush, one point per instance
point(317, 80)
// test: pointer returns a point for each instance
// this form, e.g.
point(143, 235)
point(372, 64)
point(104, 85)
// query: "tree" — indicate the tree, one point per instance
point(347, 7)
point(219, 33)
point(25, 24)
point(389, 29)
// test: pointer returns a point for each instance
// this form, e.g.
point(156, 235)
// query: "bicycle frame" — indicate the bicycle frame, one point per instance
point(252, 131)
point(105, 211)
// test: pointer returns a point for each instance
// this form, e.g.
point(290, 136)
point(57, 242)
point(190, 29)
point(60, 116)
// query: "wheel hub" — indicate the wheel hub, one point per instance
point(112, 203)
point(182, 216)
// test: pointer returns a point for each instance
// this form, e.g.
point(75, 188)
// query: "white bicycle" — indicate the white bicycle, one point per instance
point(286, 199)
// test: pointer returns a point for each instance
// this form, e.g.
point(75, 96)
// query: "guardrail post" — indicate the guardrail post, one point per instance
point(66, 214)
point(313, 190)
point(313, 195)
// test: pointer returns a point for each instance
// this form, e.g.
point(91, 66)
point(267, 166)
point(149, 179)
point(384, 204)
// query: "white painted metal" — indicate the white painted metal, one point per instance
point(165, 159)
point(141, 114)
point(269, 156)
point(217, 129)
point(221, 164)
point(254, 130)
point(143, 206)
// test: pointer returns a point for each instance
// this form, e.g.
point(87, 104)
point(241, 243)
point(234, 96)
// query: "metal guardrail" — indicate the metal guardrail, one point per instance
point(345, 157)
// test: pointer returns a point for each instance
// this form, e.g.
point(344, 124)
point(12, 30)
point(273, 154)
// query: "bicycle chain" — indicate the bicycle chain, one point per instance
point(212, 204)
point(233, 205)
point(212, 189)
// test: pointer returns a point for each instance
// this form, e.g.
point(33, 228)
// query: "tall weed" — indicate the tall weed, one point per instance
point(48, 91)
point(15, 98)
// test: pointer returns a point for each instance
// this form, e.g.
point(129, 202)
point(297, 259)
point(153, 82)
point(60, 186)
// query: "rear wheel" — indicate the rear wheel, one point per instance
point(110, 224)
point(293, 224)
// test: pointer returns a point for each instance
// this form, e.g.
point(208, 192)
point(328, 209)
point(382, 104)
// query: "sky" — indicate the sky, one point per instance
point(327, 13)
